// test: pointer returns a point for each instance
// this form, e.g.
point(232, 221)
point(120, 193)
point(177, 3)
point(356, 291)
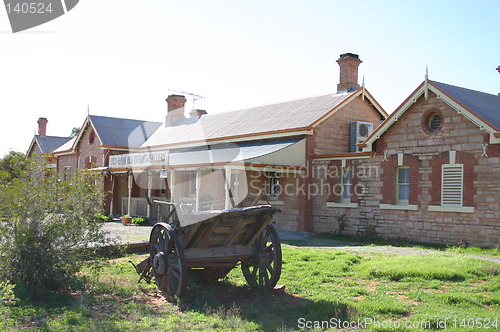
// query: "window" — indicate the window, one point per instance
point(402, 185)
point(67, 173)
point(434, 122)
point(191, 184)
point(346, 185)
point(91, 137)
point(90, 162)
point(273, 187)
point(452, 185)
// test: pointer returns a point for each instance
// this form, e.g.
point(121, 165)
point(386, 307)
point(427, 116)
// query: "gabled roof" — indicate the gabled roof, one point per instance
point(114, 132)
point(118, 132)
point(48, 144)
point(481, 108)
point(484, 105)
point(280, 118)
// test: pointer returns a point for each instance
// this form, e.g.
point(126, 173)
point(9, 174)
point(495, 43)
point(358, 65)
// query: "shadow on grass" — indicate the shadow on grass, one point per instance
point(271, 312)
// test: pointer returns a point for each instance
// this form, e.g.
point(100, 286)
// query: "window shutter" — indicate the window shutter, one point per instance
point(452, 184)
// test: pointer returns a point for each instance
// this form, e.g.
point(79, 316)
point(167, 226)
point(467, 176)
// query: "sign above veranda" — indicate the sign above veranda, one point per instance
point(142, 159)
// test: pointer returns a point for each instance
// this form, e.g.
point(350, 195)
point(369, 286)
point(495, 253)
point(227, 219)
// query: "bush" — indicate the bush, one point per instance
point(102, 218)
point(140, 221)
point(7, 296)
point(48, 232)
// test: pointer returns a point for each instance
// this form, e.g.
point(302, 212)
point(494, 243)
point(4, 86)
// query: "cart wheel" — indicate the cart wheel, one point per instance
point(264, 269)
point(167, 260)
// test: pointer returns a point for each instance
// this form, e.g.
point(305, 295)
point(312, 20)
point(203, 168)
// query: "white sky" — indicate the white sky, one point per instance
point(121, 57)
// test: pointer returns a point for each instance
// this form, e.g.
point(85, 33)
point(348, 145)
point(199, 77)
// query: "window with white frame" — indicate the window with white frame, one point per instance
point(346, 185)
point(402, 185)
point(273, 187)
point(452, 185)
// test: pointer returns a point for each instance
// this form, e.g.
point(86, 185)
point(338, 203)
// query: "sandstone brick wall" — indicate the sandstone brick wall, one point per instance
point(289, 200)
point(299, 210)
point(332, 135)
point(67, 161)
point(424, 153)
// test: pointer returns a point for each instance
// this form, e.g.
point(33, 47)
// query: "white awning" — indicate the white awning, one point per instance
point(289, 152)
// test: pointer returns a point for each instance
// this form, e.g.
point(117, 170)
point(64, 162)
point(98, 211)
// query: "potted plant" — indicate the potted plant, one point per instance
point(126, 219)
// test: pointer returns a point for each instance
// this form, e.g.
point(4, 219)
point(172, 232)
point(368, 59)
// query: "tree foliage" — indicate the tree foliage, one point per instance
point(47, 231)
point(12, 166)
point(74, 132)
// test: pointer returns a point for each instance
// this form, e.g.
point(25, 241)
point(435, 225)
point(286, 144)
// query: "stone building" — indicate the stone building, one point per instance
point(429, 173)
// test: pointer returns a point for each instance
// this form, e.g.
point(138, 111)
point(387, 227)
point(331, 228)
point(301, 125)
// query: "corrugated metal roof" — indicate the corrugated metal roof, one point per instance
point(224, 153)
point(48, 144)
point(282, 116)
point(485, 105)
point(123, 132)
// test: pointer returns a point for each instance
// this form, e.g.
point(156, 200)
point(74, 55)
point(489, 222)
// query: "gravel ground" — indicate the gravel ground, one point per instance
point(132, 234)
point(128, 233)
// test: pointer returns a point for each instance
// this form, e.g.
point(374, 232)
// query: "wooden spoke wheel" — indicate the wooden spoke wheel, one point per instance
point(264, 269)
point(167, 260)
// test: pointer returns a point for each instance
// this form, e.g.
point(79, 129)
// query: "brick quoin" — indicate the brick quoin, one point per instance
point(435, 177)
point(355, 179)
point(388, 180)
point(469, 189)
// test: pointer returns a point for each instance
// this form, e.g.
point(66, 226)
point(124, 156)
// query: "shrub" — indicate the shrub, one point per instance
point(7, 296)
point(48, 232)
point(140, 221)
point(102, 218)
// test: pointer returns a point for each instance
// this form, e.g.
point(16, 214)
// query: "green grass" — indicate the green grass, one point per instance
point(321, 240)
point(323, 286)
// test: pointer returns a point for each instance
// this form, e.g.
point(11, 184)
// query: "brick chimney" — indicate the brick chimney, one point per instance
point(348, 63)
point(197, 112)
point(175, 109)
point(42, 126)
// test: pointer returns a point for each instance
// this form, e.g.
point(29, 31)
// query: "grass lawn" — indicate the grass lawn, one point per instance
point(325, 288)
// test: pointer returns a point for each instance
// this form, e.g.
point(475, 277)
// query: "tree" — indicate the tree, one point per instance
point(47, 228)
point(74, 132)
point(11, 166)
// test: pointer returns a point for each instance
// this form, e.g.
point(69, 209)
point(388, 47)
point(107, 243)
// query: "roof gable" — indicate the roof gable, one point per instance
point(285, 117)
point(481, 108)
point(48, 144)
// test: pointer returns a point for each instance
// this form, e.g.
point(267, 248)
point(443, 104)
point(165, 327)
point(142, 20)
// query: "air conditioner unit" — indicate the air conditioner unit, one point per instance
point(359, 131)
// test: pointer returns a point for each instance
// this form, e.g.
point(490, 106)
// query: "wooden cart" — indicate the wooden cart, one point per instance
point(213, 247)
